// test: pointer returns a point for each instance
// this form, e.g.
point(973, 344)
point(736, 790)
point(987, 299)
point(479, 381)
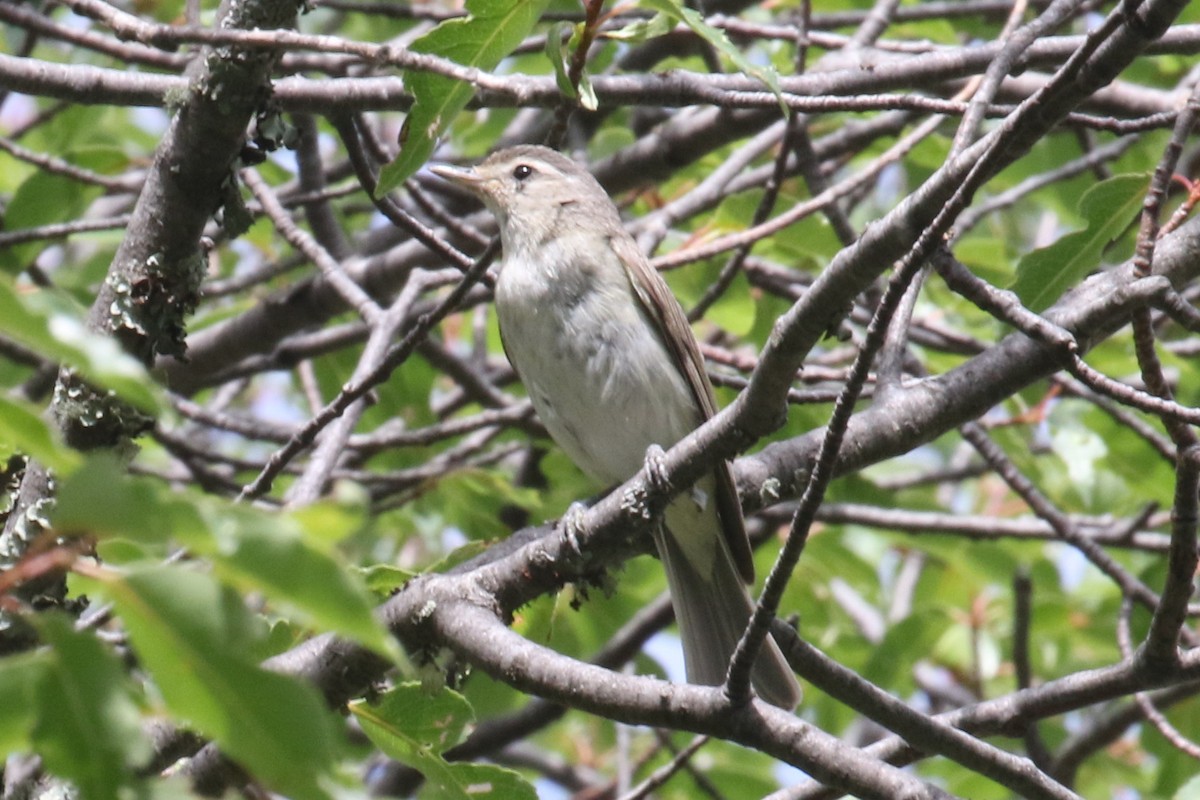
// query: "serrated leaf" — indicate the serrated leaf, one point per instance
point(677, 12)
point(492, 30)
point(23, 429)
point(197, 639)
point(49, 324)
point(409, 718)
point(87, 726)
point(1108, 207)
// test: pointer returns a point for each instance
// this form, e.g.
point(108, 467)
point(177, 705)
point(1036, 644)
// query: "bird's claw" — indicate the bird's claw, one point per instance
point(634, 501)
point(656, 469)
point(572, 526)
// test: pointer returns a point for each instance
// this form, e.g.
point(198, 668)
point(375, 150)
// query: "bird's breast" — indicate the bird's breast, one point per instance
point(594, 366)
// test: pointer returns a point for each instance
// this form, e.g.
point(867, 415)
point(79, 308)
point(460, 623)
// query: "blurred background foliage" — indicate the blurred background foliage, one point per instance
point(177, 592)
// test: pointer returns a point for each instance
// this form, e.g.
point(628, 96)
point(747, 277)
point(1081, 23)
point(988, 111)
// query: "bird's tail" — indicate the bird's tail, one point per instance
point(713, 608)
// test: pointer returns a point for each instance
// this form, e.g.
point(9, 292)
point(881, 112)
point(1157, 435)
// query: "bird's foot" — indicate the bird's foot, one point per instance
point(572, 526)
point(656, 469)
point(634, 501)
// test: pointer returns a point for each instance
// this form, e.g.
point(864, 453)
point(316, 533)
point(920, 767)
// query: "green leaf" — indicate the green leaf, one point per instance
point(43, 198)
point(641, 30)
point(481, 782)
point(987, 256)
point(197, 640)
point(415, 727)
point(677, 12)
point(587, 93)
point(558, 51)
point(409, 719)
point(50, 324)
point(87, 726)
point(383, 579)
point(267, 553)
point(459, 555)
point(470, 499)
point(23, 429)
point(100, 500)
point(491, 31)
point(104, 159)
point(735, 310)
point(1108, 207)
point(19, 678)
point(252, 549)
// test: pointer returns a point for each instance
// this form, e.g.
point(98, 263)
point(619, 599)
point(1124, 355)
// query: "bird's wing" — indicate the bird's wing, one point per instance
point(676, 334)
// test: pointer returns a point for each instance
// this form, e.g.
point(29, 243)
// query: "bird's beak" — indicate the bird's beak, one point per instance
point(465, 177)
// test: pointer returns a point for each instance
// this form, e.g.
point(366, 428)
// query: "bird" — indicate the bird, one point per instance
point(613, 369)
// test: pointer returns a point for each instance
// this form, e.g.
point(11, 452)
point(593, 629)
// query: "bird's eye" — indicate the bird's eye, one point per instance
point(522, 171)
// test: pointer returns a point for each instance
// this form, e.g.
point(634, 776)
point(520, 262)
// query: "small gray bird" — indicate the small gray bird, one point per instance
point(612, 367)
